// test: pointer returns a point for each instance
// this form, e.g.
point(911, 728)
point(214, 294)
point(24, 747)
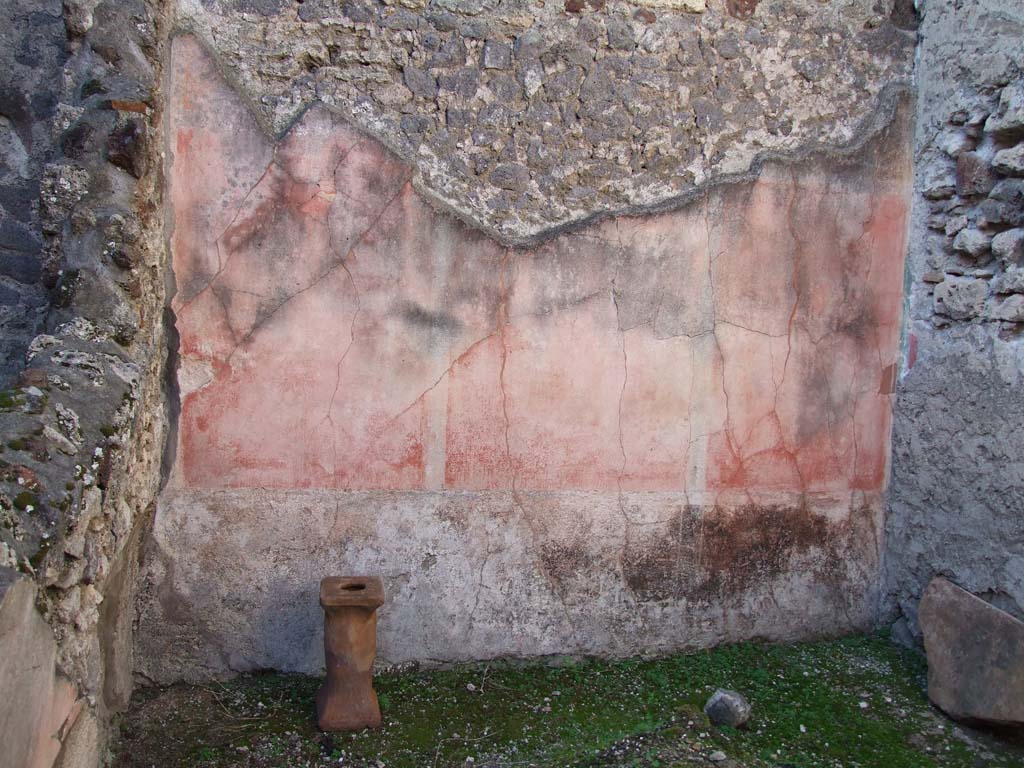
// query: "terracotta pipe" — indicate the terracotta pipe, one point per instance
point(346, 701)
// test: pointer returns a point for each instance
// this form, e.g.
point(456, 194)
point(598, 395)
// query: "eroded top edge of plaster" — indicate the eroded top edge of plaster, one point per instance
point(891, 108)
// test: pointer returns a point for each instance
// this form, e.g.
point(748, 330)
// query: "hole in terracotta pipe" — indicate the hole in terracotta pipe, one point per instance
point(354, 587)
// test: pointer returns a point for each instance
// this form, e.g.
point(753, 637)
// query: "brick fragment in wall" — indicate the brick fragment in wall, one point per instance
point(974, 175)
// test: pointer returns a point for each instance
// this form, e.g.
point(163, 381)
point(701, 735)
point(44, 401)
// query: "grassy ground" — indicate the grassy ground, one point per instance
point(854, 702)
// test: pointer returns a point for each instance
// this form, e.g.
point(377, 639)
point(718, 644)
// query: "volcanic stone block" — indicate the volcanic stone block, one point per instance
point(1008, 121)
point(1008, 246)
point(971, 243)
point(420, 82)
point(1010, 161)
point(497, 55)
point(973, 175)
point(1010, 309)
point(960, 297)
point(975, 656)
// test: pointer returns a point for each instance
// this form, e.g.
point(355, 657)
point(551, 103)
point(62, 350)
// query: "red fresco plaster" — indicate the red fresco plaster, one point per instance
point(338, 332)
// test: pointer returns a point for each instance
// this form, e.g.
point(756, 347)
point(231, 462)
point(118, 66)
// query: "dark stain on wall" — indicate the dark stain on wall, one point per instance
point(712, 553)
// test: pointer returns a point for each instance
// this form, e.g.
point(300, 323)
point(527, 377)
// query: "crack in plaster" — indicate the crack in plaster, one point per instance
point(221, 262)
point(503, 322)
point(340, 263)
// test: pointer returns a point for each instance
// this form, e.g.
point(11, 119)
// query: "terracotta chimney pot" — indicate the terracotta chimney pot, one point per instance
point(346, 701)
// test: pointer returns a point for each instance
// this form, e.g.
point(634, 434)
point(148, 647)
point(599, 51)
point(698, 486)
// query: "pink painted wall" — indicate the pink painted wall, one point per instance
point(339, 333)
point(355, 338)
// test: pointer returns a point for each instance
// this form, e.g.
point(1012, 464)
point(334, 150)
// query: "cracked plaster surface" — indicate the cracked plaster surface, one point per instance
point(654, 432)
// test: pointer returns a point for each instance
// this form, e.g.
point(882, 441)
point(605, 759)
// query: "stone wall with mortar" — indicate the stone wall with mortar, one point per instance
point(957, 496)
point(662, 429)
point(442, 269)
point(82, 357)
point(522, 115)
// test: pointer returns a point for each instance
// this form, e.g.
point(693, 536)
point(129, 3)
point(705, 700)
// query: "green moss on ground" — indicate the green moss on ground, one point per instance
point(9, 400)
point(858, 701)
point(26, 499)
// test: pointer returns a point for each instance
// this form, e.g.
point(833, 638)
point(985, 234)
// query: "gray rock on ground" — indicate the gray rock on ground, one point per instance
point(727, 708)
point(975, 656)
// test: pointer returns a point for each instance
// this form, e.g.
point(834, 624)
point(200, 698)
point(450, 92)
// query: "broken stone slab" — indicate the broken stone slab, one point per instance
point(975, 656)
point(727, 707)
point(83, 745)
